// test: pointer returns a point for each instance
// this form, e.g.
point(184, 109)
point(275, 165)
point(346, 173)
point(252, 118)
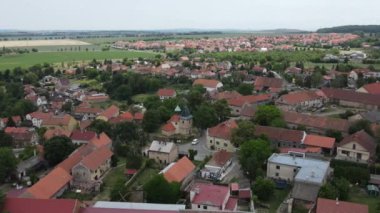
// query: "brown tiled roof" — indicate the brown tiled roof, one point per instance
point(97, 158)
point(110, 112)
point(91, 110)
point(319, 141)
point(168, 127)
point(331, 206)
point(57, 120)
point(352, 96)
point(271, 83)
point(180, 170)
point(298, 97)
point(225, 95)
point(324, 123)
point(206, 82)
point(249, 99)
point(82, 135)
point(101, 140)
point(373, 88)
point(362, 138)
point(280, 134)
point(220, 158)
point(56, 132)
point(166, 92)
point(223, 130)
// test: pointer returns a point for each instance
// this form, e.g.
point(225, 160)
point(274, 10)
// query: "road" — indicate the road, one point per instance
point(203, 151)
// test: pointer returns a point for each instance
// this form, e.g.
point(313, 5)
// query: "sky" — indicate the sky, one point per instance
point(182, 14)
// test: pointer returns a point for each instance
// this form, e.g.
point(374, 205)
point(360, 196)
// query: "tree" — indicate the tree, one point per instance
point(328, 191)
point(152, 120)
point(244, 132)
point(192, 154)
point(5, 139)
point(10, 122)
point(158, 190)
point(267, 115)
point(57, 149)
point(245, 89)
point(67, 107)
point(100, 126)
point(205, 116)
point(8, 163)
point(252, 155)
point(361, 125)
point(2, 199)
point(334, 134)
point(223, 111)
point(263, 188)
point(343, 187)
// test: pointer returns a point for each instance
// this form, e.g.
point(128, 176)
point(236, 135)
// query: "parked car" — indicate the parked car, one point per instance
point(195, 141)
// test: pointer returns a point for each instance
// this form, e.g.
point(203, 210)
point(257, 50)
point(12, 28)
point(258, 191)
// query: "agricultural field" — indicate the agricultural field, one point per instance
point(30, 59)
point(36, 43)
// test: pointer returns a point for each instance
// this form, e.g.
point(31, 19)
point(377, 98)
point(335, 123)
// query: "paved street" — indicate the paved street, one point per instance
point(203, 151)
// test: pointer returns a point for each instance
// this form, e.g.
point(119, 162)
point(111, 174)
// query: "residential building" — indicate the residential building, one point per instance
point(336, 206)
point(225, 95)
point(128, 207)
point(209, 84)
point(66, 122)
point(237, 104)
point(181, 171)
point(210, 197)
point(219, 136)
point(22, 136)
point(79, 137)
point(360, 147)
point(86, 113)
point(217, 166)
point(300, 101)
point(166, 94)
point(50, 133)
point(163, 152)
point(180, 123)
point(307, 174)
point(111, 112)
point(272, 85)
point(28, 205)
point(373, 88)
point(38, 117)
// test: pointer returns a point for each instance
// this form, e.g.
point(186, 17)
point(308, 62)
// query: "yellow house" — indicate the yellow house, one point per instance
point(66, 122)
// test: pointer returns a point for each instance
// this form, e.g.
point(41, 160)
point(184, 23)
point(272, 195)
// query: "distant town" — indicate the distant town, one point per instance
point(191, 122)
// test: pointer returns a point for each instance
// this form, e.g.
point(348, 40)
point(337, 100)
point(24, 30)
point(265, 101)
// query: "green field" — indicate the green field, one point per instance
point(30, 59)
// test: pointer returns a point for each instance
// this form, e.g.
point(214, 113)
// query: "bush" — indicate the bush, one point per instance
point(263, 188)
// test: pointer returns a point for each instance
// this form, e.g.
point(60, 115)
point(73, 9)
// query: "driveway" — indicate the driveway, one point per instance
point(203, 151)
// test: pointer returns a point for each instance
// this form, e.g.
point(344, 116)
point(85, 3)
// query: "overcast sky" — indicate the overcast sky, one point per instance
point(174, 14)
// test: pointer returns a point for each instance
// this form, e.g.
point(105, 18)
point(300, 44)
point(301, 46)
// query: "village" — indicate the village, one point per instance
point(190, 131)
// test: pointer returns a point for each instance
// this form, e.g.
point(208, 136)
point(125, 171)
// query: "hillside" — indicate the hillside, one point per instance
point(351, 29)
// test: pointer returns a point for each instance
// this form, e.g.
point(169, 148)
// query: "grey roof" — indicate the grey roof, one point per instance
point(159, 146)
point(139, 206)
point(310, 170)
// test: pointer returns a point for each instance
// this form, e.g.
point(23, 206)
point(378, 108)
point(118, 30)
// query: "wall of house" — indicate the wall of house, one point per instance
point(99, 172)
point(204, 207)
point(283, 172)
point(352, 154)
point(305, 191)
point(164, 158)
point(184, 126)
point(219, 144)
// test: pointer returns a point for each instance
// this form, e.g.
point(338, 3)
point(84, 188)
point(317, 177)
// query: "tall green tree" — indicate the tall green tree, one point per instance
point(244, 132)
point(223, 111)
point(205, 116)
point(263, 188)
point(57, 149)
point(245, 89)
point(267, 115)
point(158, 190)
point(5, 139)
point(8, 163)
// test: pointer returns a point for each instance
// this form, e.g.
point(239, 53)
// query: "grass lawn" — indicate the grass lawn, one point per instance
point(73, 195)
point(115, 174)
point(144, 177)
point(30, 59)
point(278, 197)
point(140, 98)
point(359, 195)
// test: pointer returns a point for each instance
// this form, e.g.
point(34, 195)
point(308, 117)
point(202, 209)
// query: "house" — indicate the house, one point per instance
point(166, 94)
point(128, 207)
point(22, 136)
point(307, 174)
point(38, 117)
point(92, 167)
point(50, 133)
point(373, 88)
point(111, 112)
point(86, 113)
point(225, 95)
point(273, 85)
point(349, 98)
point(359, 147)
point(101, 140)
point(28, 205)
point(216, 167)
point(210, 197)
point(79, 137)
point(62, 85)
point(180, 123)
point(219, 136)
point(237, 104)
point(50, 186)
point(300, 101)
point(163, 152)
point(336, 206)
point(66, 122)
point(96, 98)
point(181, 171)
point(288, 138)
point(41, 100)
point(209, 84)
point(315, 124)
point(4, 121)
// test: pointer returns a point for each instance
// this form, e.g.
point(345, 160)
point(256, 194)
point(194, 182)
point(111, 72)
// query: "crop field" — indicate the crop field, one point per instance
point(36, 43)
point(30, 59)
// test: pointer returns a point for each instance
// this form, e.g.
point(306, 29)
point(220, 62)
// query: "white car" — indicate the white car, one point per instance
point(195, 141)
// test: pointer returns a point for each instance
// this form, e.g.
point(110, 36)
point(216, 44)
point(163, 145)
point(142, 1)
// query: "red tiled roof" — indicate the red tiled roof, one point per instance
point(84, 124)
point(89, 110)
point(373, 88)
point(362, 138)
point(231, 204)
point(280, 134)
point(249, 99)
point(57, 120)
point(127, 116)
point(319, 141)
point(19, 133)
point(175, 118)
point(109, 210)
point(223, 130)
point(225, 95)
point(29, 205)
point(101, 140)
point(210, 194)
point(298, 97)
point(97, 158)
point(210, 83)
point(248, 111)
point(166, 92)
point(16, 119)
point(305, 150)
point(76, 156)
point(234, 186)
point(56, 132)
point(49, 185)
point(271, 83)
point(180, 170)
point(325, 123)
point(138, 116)
point(220, 158)
point(82, 135)
point(41, 115)
point(352, 96)
point(331, 206)
point(110, 112)
point(168, 127)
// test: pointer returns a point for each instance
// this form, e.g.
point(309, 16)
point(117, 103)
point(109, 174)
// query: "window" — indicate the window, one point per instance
point(217, 143)
point(344, 152)
point(199, 206)
point(277, 167)
point(204, 207)
point(294, 170)
point(353, 146)
point(225, 144)
point(210, 141)
point(277, 174)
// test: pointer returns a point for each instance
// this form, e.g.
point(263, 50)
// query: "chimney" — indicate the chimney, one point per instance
point(337, 201)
